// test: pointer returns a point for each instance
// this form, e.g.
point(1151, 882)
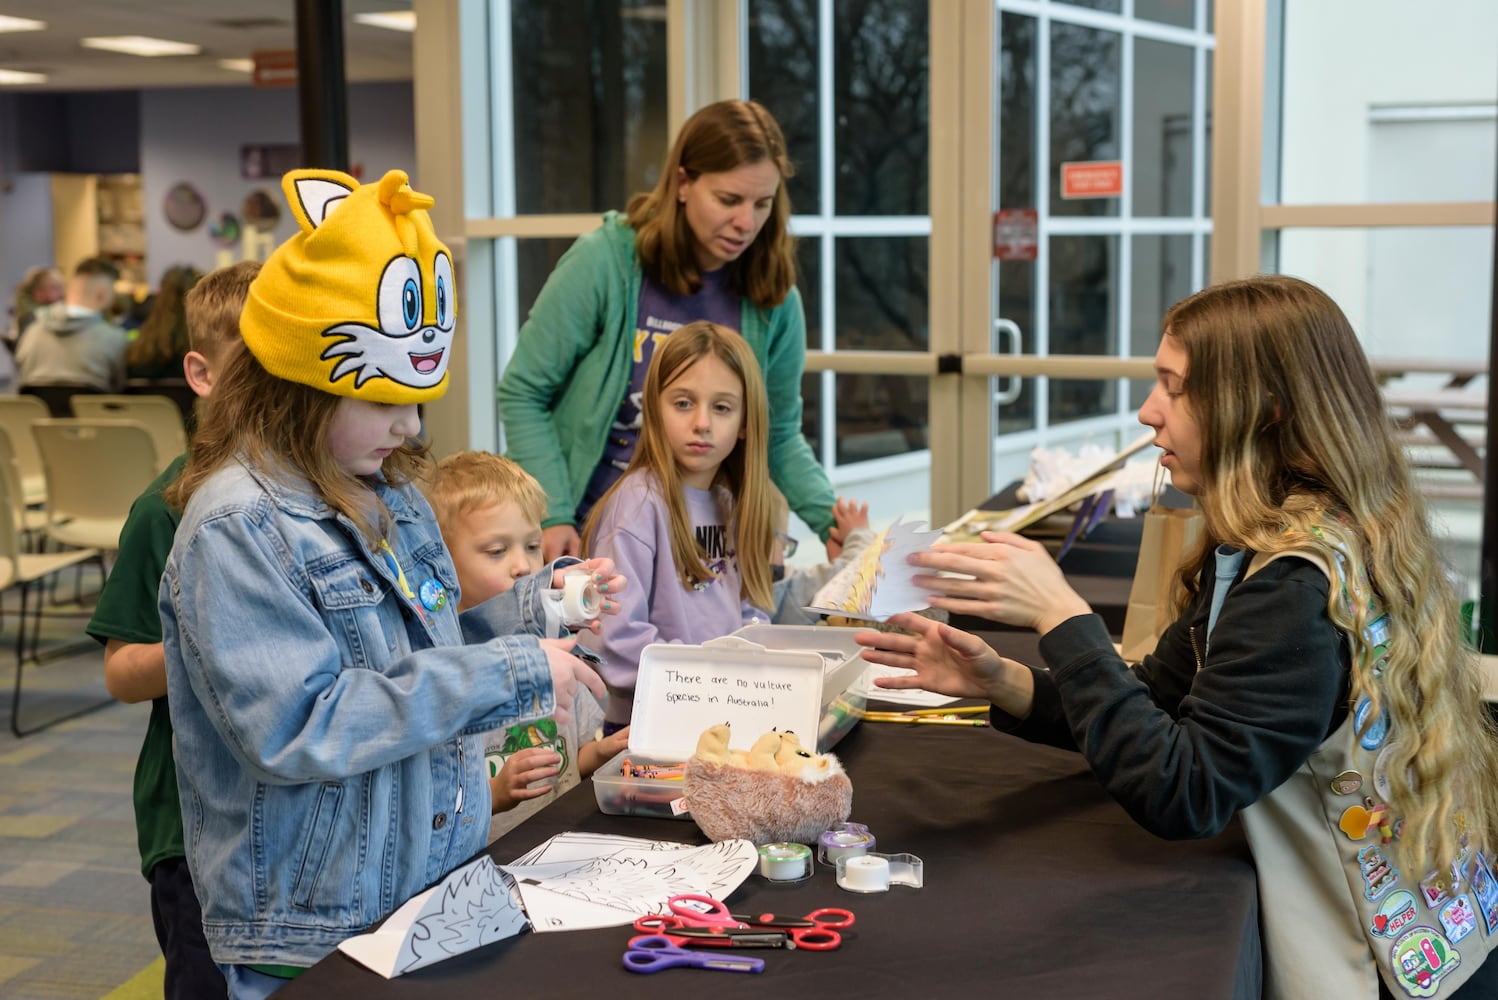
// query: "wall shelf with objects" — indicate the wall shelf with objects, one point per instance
point(101, 215)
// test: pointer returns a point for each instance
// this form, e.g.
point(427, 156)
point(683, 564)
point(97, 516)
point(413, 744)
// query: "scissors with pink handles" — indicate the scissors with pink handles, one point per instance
point(814, 932)
point(655, 952)
point(689, 910)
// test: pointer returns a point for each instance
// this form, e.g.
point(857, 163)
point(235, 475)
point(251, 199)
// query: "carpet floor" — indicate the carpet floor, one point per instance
point(75, 913)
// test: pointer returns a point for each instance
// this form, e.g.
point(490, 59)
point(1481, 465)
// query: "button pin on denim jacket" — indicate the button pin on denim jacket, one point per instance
point(439, 821)
point(433, 594)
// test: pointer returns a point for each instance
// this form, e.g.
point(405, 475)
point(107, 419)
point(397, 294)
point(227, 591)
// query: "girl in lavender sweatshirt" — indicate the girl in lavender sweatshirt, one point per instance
point(690, 522)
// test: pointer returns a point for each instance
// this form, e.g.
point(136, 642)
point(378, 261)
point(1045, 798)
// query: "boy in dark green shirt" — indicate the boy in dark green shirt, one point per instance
point(127, 621)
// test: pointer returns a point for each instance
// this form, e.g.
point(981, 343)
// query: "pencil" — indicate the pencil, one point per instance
point(963, 710)
point(925, 720)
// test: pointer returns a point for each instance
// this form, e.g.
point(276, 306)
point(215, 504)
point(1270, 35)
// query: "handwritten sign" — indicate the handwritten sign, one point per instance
point(683, 690)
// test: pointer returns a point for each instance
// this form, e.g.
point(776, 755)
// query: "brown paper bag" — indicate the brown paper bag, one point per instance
point(1170, 534)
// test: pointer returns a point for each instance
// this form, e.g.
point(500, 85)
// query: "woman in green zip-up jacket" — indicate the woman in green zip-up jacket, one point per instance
point(710, 238)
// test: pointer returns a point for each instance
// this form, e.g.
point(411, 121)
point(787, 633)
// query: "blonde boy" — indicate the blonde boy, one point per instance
point(127, 621)
point(490, 510)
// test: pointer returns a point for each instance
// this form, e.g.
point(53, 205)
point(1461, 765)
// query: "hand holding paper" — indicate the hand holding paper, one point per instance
point(881, 582)
point(1005, 578)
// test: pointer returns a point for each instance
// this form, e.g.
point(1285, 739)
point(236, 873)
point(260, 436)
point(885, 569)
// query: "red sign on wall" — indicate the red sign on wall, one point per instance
point(1092, 179)
point(1016, 234)
point(274, 68)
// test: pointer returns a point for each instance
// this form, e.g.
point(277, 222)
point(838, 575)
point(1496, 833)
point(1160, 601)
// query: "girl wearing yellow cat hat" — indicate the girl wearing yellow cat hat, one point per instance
point(328, 714)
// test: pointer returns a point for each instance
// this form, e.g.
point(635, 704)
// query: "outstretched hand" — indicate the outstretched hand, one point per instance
point(1005, 578)
point(847, 515)
point(948, 661)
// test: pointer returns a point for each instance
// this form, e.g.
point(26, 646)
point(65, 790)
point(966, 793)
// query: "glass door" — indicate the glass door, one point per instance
point(1097, 198)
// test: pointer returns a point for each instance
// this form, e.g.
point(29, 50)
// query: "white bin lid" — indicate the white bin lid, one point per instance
point(682, 690)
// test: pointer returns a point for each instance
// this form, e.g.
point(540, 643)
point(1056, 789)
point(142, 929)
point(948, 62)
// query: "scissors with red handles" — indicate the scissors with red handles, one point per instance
point(654, 952)
point(689, 910)
point(713, 937)
point(814, 932)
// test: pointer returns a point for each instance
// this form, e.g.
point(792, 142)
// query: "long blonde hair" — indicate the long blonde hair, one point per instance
point(718, 138)
point(745, 473)
point(281, 428)
point(1297, 454)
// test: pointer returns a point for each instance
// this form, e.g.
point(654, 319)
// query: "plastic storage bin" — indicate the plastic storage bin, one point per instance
point(793, 677)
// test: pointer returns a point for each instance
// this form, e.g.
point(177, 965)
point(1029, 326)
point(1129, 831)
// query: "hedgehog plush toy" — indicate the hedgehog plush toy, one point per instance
point(776, 791)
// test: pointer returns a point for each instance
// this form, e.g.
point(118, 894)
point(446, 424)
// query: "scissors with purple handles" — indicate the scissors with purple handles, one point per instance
point(814, 932)
point(654, 952)
point(689, 910)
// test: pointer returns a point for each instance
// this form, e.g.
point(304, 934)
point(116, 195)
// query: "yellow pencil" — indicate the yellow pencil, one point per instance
point(925, 720)
point(964, 710)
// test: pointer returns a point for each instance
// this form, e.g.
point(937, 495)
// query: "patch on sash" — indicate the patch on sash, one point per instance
point(1378, 875)
point(1421, 959)
point(1458, 919)
point(1377, 730)
point(1485, 888)
point(1394, 914)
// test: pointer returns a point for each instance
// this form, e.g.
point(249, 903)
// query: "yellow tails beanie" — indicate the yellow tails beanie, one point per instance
point(360, 302)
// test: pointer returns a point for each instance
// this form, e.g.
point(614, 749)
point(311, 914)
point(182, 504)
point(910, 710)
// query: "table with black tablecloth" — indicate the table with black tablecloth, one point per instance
point(1036, 885)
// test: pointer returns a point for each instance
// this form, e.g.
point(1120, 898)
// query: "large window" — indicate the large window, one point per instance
point(1378, 166)
point(570, 104)
point(588, 112)
point(848, 81)
point(1085, 84)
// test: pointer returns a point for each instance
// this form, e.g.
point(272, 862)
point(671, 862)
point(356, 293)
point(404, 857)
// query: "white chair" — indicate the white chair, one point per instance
point(23, 570)
point(95, 469)
point(17, 414)
point(158, 414)
point(29, 521)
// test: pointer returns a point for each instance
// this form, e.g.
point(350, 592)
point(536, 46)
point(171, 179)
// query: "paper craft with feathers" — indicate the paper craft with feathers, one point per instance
point(880, 582)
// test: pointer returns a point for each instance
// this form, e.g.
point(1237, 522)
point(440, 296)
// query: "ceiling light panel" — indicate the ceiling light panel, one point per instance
point(8, 23)
point(140, 45)
point(15, 77)
point(395, 20)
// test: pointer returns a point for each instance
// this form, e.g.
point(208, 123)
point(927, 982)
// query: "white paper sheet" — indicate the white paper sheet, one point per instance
point(474, 906)
point(576, 881)
point(879, 583)
point(898, 696)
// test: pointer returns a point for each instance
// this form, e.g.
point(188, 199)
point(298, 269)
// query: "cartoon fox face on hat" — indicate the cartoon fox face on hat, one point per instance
point(360, 302)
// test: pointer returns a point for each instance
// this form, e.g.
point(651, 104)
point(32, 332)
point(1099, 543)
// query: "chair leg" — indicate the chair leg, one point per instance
point(15, 697)
point(21, 659)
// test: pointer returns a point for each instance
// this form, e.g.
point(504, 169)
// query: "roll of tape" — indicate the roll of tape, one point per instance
point(877, 872)
point(846, 840)
point(785, 862)
point(581, 601)
point(864, 873)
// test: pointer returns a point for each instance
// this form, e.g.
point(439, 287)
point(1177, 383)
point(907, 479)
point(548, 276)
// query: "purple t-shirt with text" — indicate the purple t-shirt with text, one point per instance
point(661, 311)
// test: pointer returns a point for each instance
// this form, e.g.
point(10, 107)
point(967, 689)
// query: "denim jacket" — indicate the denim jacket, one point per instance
point(328, 739)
